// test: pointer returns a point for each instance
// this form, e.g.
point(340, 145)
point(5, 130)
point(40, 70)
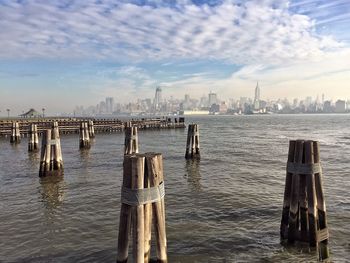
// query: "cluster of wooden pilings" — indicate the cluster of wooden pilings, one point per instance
point(51, 162)
point(304, 216)
point(142, 201)
point(72, 125)
point(15, 133)
point(33, 139)
point(84, 142)
point(192, 145)
point(131, 143)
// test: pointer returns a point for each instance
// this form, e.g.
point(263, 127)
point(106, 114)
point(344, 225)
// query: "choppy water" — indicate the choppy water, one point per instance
point(225, 208)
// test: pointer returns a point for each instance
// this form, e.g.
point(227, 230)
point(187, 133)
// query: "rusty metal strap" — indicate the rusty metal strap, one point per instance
point(303, 168)
point(135, 197)
point(132, 137)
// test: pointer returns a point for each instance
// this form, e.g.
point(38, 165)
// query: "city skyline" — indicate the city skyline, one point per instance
point(57, 55)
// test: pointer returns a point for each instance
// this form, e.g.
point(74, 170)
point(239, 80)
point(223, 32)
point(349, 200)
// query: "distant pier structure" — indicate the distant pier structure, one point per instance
point(10, 127)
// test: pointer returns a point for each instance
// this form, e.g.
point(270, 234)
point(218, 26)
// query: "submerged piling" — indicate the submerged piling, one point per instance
point(51, 162)
point(84, 142)
point(304, 210)
point(142, 199)
point(33, 139)
point(15, 133)
point(192, 145)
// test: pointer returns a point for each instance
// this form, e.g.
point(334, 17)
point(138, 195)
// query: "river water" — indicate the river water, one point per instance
point(225, 208)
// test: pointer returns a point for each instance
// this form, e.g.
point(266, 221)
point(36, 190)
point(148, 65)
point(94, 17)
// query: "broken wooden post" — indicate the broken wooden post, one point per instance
point(131, 142)
point(84, 142)
point(304, 210)
point(51, 162)
point(15, 133)
point(91, 129)
point(192, 146)
point(33, 140)
point(142, 198)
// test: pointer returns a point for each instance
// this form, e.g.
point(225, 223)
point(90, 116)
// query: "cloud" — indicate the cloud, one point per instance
point(240, 32)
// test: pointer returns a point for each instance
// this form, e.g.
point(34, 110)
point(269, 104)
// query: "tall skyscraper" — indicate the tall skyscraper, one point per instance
point(257, 97)
point(212, 98)
point(158, 98)
point(109, 105)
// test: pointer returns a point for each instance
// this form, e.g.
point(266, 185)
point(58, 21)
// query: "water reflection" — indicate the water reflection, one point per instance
point(193, 174)
point(52, 191)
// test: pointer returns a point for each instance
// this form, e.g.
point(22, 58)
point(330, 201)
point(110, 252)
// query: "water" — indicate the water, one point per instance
point(225, 208)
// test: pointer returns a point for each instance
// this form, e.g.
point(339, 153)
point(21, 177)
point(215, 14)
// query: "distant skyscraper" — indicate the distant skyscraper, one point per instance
point(109, 104)
point(158, 98)
point(212, 98)
point(257, 97)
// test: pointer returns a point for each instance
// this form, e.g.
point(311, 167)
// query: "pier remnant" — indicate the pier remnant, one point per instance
point(192, 146)
point(84, 142)
point(91, 129)
point(51, 162)
point(304, 210)
point(33, 139)
point(131, 143)
point(142, 199)
point(15, 133)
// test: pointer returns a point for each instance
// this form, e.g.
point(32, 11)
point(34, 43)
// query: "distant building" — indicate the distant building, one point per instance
point(257, 97)
point(158, 98)
point(109, 105)
point(31, 114)
point(340, 106)
point(212, 98)
point(327, 106)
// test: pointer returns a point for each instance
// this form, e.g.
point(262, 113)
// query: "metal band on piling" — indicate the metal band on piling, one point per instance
point(304, 168)
point(135, 197)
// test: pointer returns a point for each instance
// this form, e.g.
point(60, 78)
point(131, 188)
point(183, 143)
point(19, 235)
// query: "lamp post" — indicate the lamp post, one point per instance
point(43, 109)
point(8, 113)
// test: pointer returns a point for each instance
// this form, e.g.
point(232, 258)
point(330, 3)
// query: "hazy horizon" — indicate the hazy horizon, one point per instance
point(60, 54)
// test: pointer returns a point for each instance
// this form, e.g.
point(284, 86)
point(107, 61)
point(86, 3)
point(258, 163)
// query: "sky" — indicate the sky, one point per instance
point(59, 54)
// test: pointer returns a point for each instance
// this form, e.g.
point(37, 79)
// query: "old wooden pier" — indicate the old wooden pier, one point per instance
point(72, 125)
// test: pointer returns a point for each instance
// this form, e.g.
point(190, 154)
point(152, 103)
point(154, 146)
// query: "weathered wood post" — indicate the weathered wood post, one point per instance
point(192, 145)
point(33, 140)
point(84, 142)
point(91, 129)
point(142, 197)
point(304, 210)
point(15, 133)
point(131, 142)
point(51, 162)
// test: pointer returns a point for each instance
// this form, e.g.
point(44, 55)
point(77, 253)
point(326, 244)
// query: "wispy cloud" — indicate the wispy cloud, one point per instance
point(241, 32)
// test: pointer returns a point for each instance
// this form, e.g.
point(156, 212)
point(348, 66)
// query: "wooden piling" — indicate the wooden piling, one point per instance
point(143, 173)
point(155, 173)
point(192, 145)
point(125, 216)
point(51, 162)
point(15, 133)
point(33, 140)
point(304, 199)
point(137, 182)
point(131, 143)
point(84, 142)
point(91, 129)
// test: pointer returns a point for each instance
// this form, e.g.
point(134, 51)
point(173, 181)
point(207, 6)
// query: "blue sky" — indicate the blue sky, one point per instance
point(58, 54)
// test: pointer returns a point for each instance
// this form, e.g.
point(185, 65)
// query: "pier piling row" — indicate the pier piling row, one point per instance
point(33, 139)
point(304, 210)
point(84, 142)
point(51, 162)
point(192, 145)
point(72, 125)
point(142, 201)
point(15, 133)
